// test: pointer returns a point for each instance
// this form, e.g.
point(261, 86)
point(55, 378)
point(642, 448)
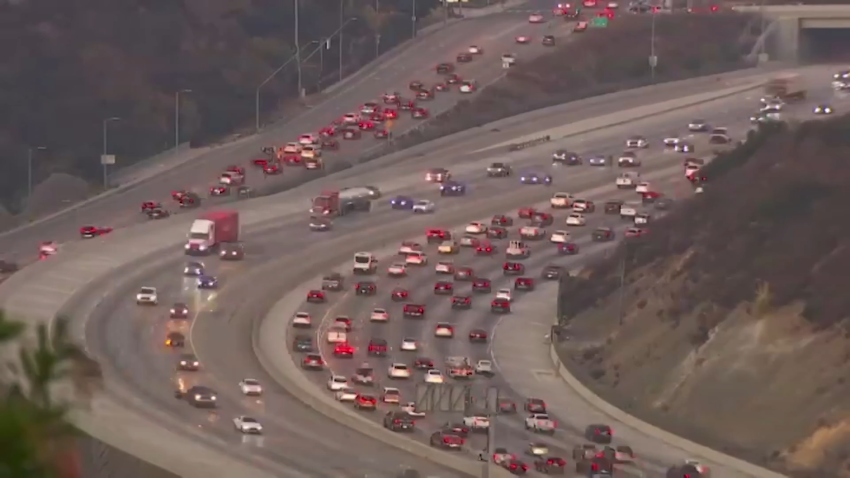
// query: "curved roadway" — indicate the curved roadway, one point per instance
point(223, 319)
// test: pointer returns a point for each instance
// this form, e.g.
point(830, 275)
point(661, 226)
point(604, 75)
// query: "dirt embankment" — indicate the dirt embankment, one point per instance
point(734, 329)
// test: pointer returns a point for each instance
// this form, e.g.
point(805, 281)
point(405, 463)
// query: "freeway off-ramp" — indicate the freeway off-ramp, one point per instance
point(81, 261)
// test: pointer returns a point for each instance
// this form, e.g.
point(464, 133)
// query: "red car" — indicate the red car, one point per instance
point(178, 195)
point(481, 285)
point(235, 169)
point(568, 248)
point(382, 134)
point(344, 350)
point(414, 310)
point(328, 131)
point(419, 113)
point(399, 295)
point(501, 220)
point(219, 191)
point(526, 212)
point(478, 336)
point(485, 249)
point(507, 405)
point(524, 283)
point(316, 296)
point(461, 302)
point(423, 363)
point(443, 288)
point(365, 402)
point(260, 162)
point(650, 197)
point(437, 236)
point(500, 306)
point(390, 114)
point(366, 125)
point(88, 232)
point(330, 144)
point(150, 205)
point(272, 169)
point(513, 268)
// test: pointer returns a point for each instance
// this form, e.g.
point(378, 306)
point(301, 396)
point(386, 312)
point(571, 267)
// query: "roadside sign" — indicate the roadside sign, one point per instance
point(653, 61)
point(107, 159)
point(599, 22)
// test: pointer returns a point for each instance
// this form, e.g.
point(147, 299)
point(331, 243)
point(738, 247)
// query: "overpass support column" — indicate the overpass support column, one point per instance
point(788, 39)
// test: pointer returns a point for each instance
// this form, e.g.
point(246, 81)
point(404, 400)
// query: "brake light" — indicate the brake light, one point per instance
point(595, 466)
point(396, 421)
point(714, 8)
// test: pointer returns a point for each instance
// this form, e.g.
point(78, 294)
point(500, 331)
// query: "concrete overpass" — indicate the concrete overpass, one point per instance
point(805, 32)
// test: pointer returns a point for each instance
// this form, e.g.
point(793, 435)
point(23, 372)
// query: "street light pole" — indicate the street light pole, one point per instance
point(298, 49)
point(622, 295)
point(30, 152)
point(653, 60)
point(378, 32)
point(341, 15)
point(106, 148)
point(413, 20)
point(177, 119)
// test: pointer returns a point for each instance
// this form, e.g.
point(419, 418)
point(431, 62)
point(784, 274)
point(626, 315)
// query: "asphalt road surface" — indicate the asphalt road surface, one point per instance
point(220, 329)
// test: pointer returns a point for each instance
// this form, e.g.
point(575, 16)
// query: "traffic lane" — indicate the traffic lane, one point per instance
point(159, 362)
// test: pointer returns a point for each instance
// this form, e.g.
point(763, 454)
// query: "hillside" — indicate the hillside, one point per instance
point(605, 60)
point(735, 329)
point(89, 60)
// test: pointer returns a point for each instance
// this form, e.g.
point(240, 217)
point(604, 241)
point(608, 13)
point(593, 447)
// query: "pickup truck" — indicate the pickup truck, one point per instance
point(477, 422)
point(540, 423)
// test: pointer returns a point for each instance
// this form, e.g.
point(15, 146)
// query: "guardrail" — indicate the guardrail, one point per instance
point(531, 142)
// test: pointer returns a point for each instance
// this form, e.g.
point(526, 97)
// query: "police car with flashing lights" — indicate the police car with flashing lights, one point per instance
point(452, 188)
point(401, 202)
point(535, 177)
point(207, 282)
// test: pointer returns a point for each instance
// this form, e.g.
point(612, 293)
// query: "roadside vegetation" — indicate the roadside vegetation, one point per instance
point(601, 61)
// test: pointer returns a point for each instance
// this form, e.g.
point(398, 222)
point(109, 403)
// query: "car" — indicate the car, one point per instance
point(416, 258)
point(231, 251)
point(147, 296)
point(598, 433)
point(377, 347)
point(437, 236)
point(515, 467)
point(89, 232)
point(535, 18)
point(188, 363)
point(438, 175)
point(535, 177)
point(313, 362)
point(468, 86)
point(568, 249)
point(485, 248)
point(381, 133)
point(409, 247)
point(576, 219)
point(524, 283)
point(461, 302)
point(366, 125)
point(379, 315)
point(369, 108)
point(599, 160)
point(445, 68)
point(613, 207)
point(642, 219)
point(822, 110)
point(454, 79)
point(501, 220)
point(337, 382)
point(398, 371)
point(671, 140)
point(602, 234)
point(580, 27)
point(419, 113)
point(628, 159)
point(481, 285)
point(684, 147)
point(634, 232)
point(642, 187)
point(365, 402)
point(526, 212)
point(448, 247)
point(548, 40)
point(443, 288)
point(475, 228)
point(559, 237)
point(500, 306)
point(423, 363)
point(463, 274)
point(522, 39)
point(175, 339)
point(343, 350)
point(302, 320)
point(316, 296)
point(552, 272)
point(198, 396)
point(624, 454)
point(550, 465)
point(475, 50)
point(406, 105)
point(409, 345)
point(397, 269)
point(532, 232)
point(351, 133)
point(207, 282)
point(391, 98)
point(698, 126)
point(399, 294)
point(272, 169)
point(567, 158)
point(637, 142)
point(303, 343)
point(444, 267)
point(346, 395)
point(497, 232)
point(584, 206)
point(424, 206)
point(193, 269)
point(478, 336)
point(499, 170)
point(464, 57)
point(390, 114)
point(398, 420)
point(541, 219)
point(424, 95)
point(365, 288)
point(452, 188)
point(446, 440)
point(149, 205)
point(413, 310)
point(158, 213)
point(444, 330)
point(178, 310)
point(535, 405)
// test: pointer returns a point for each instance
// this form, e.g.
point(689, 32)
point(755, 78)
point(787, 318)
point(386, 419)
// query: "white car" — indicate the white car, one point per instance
point(247, 425)
point(302, 319)
point(627, 211)
point(560, 237)
point(307, 139)
point(576, 219)
point(508, 59)
point(671, 141)
point(642, 188)
point(560, 200)
point(484, 367)
point(535, 18)
point(368, 108)
point(583, 205)
point(434, 376)
point(391, 395)
point(398, 370)
point(474, 50)
point(292, 148)
point(351, 118)
point(444, 267)
point(379, 315)
point(467, 86)
point(250, 386)
point(642, 219)
point(409, 345)
point(397, 269)
point(476, 228)
point(424, 206)
point(613, 5)
point(637, 142)
point(408, 248)
point(337, 383)
point(504, 294)
point(346, 395)
point(532, 232)
point(444, 330)
point(147, 296)
point(416, 259)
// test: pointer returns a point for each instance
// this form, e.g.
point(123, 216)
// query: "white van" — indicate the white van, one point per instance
point(364, 263)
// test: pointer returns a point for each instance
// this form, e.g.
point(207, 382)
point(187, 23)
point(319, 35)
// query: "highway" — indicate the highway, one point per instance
point(223, 320)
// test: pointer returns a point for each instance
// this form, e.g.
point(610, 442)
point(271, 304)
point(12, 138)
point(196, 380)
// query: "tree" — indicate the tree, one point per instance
point(34, 431)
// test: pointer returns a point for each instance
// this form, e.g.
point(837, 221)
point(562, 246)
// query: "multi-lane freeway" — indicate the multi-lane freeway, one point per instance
point(298, 441)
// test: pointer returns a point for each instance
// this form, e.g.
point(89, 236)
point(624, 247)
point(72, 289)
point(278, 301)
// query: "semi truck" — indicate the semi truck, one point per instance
point(788, 87)
point(331, 203)
point(211, 230)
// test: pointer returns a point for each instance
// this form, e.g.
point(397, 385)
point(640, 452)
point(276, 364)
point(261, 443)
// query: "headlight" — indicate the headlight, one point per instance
point(197, 397)
point(196, 364)
point(172, 311)
point(182, 362)
point(213, 397)
point(187, 246)
point(202, 247)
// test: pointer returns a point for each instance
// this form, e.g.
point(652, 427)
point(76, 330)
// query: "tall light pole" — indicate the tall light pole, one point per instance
point(30, 153)
point(341, 15)
point(378, 32)
point(413, 21)
point(298, 49)
point(653, 60)
point(106, 149)
point(177, 119)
